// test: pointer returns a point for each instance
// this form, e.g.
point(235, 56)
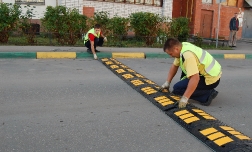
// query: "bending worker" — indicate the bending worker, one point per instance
point(94, 38)
point(200, 73)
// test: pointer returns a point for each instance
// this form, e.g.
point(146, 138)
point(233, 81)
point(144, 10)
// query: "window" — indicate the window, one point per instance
point(207, 1)
point(143, 2)
point(32, 2)
point(230, 3)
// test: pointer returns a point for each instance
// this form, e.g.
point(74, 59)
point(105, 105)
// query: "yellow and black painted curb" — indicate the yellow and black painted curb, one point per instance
point(74, 55)
point(212, 132)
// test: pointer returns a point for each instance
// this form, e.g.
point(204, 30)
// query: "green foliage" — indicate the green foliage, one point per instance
point(197, 40)
point(101, 18)
point(66, 24)
point(179, 28)
point(119, 26)
point(26, 26)
point(146, 25)
point(9, 15)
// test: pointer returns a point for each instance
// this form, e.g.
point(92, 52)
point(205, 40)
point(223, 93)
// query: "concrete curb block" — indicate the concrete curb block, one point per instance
point(128, 55)
point(56, 55)
point(156, 55)
point(23, 55)
point(78, 55)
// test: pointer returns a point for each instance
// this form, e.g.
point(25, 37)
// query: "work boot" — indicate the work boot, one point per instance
point(213, 94)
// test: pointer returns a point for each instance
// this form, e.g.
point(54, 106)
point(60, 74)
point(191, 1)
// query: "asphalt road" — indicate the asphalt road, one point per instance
point(79, 105)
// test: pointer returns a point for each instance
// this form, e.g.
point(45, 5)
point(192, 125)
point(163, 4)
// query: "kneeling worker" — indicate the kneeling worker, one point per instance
point(93, 38)
point(200, 72)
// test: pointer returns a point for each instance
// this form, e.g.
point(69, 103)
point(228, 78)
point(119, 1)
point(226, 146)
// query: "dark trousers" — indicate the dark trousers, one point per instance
point(97, 42)
point(202, 91)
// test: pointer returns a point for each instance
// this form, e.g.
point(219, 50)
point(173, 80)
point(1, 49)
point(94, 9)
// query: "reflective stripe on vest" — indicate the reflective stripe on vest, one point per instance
point(212, 67)
point(92, 31)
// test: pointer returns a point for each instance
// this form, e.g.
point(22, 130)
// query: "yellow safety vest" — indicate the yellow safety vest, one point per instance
point(212, 67)
point(92, 31)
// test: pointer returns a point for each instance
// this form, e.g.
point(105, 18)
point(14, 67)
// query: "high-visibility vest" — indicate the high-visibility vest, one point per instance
point(92, 31)
point(212, 67)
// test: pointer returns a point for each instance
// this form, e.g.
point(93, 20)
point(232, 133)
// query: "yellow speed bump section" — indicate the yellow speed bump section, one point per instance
point(234, 56)
point(186, 116)
point(128, 76)
point(235, 133)
point(128, 55)
point(137, 82)
point(203, 114)
point(163, 100)
point(58, 55)
point(148, 90)
point(217, 137)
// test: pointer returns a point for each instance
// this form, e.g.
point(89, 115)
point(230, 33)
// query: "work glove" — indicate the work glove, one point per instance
point(166, 85)
point(105, 39)
point(95, 56)
point(183, 102)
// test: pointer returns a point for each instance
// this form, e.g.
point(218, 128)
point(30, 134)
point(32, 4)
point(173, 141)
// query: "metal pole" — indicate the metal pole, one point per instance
point(218, 26)
point(163, 7)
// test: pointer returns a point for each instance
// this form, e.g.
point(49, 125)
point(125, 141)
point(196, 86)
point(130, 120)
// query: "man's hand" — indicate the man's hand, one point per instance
point(95, 56)
point(183, 102)
point(105, 39)
point(166, 85)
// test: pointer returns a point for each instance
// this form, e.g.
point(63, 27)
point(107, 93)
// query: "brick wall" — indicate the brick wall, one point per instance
point(124, 10)
point(184, 8)
point(88, 11)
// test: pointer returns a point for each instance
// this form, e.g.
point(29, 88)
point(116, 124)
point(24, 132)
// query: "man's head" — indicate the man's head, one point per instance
point(97, 28)
point(173, 47)
point(236, 15)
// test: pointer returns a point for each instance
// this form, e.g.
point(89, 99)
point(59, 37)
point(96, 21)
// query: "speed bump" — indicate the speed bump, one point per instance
point(208, 129)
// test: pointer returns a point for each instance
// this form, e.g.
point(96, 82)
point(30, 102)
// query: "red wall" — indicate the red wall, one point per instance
point(88, 11)
point(192, 10)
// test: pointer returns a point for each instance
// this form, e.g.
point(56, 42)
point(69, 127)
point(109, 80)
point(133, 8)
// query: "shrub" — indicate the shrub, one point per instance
point(9, 15)
point(118, 26)
point(146, 25)
point(26, 26)
point(66, 24)
point(102, 19)
point(179, 28)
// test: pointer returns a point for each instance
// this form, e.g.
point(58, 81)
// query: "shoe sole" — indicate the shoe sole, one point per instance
point(213, 95)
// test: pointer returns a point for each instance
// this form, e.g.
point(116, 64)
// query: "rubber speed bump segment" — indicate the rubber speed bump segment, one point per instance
point(209, 130)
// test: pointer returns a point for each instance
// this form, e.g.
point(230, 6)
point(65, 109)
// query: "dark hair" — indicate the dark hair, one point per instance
point(170, 43)
point(97, 26)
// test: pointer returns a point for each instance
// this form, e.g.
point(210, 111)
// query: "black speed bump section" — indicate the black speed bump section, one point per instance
point(213, 133)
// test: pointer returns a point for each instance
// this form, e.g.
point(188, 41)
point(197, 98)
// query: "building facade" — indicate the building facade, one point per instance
point(203, 15)
point(124, 8)
point(121, 8)
point(40, 6)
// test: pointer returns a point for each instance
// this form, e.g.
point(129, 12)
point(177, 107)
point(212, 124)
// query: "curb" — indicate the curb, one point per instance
point(78, 55)
point(27, 55)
